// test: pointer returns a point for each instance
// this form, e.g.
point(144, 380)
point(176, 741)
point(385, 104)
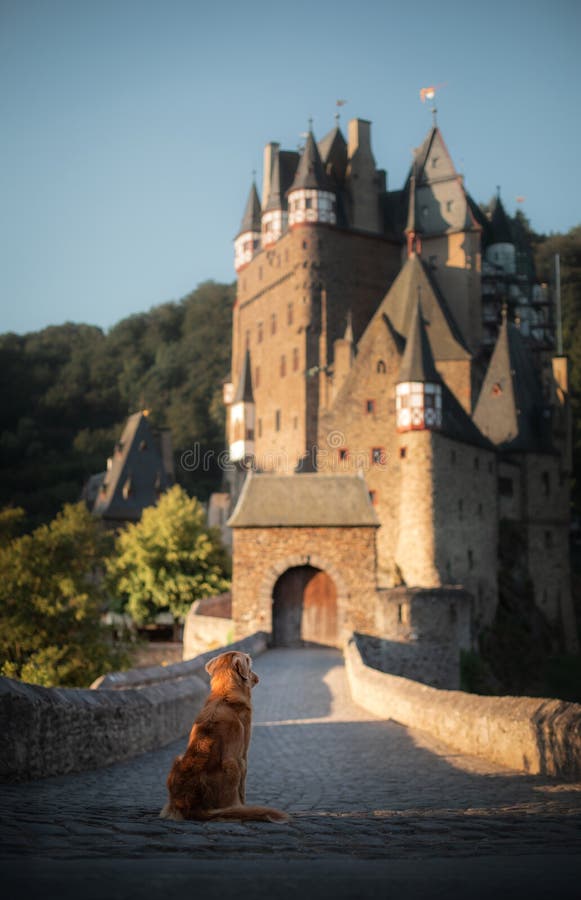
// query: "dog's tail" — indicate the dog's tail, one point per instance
point(247, 814)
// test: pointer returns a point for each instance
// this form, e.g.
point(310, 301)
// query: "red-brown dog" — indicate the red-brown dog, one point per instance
point(208, 781)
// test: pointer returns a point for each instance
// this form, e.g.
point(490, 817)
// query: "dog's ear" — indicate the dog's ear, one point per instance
point(242, 667)
point(211, 664)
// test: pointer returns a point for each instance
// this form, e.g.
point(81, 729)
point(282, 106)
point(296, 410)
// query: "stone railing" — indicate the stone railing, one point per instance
point(533, 735)
point(52, 731)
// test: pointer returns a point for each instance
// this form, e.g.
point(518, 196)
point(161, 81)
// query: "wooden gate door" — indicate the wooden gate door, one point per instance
point(304, 608)
point(319, 623)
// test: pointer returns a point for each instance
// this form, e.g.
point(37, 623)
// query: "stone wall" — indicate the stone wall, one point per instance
point(262, 555)
point(533, 735)
point(52, 731)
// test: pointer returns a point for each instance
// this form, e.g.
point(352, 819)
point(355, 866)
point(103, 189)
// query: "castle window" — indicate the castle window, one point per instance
point(308, 203)
point(260, 333)
point(403, 452)
point(378, 456)
point(470, 559)
point(289, 314)
point(505, 487)
point(257, 377)
point(277, 420)
point(249, 434)
point(381, 370)
point(295, 359)
point(343, 454)
point(546, 480)
point(282, 366)
point(273, 323)
point(370, 406)
point(449, 205)
point(260, 428)
point(435, 161)
point(373, 497)
point(548, 539)
point(304, 245)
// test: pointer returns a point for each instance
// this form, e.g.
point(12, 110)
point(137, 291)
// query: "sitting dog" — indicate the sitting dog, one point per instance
point(208, 781)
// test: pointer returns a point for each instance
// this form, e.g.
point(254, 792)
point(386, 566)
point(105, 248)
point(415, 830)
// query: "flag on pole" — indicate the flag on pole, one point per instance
point(341, 102)
point(427, 93)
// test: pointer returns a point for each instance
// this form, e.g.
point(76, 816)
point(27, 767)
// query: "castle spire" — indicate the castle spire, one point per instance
point(419, 386)
point(311, 198)
point(247, 241)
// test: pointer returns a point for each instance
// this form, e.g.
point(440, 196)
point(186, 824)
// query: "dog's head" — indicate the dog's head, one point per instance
point(238, 665)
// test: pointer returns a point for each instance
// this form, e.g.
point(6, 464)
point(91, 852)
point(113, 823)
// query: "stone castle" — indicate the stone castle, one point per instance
point(394, 398)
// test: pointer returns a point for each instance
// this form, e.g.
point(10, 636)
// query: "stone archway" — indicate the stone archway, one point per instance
point(304, 608)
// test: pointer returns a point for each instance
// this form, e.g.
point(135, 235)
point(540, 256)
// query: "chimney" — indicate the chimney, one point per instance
point(270, 152)
point(362, 178)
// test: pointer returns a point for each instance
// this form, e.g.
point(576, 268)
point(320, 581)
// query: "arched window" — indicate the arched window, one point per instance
point(381, 368)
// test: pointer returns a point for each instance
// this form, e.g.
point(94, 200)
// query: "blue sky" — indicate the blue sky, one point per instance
point(131, 129)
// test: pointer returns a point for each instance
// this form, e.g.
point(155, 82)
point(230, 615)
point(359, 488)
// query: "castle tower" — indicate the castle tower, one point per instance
point(450, 232)
point(275, 212)
point(247, 242)
point(310, 197)
point(418, 392)
point(242, 416)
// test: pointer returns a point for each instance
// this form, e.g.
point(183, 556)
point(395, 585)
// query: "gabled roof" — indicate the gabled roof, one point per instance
point(310, 172)
point(252, 216)
point(510, 409)
point(308, 500)
point(413, 281)
point(244, 392)
point(136, 474)
point(501, 231)
point(418, 363)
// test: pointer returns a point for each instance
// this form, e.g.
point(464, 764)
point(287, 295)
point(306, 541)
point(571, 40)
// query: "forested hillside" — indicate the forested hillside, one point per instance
point(67, 390)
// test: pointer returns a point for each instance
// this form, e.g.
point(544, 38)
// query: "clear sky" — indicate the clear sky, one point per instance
point(130, 128)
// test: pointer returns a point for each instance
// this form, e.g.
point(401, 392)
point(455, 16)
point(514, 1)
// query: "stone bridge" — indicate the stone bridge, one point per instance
point(379, 810)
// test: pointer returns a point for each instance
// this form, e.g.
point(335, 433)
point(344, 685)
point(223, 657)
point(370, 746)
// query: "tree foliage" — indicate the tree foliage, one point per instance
point(168, 559)
point(51, 602)
point(68, 389)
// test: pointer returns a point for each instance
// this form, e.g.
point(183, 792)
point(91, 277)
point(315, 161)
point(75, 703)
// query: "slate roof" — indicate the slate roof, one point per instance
point(413, 281)
point(333, 151)
point(309, 500)
point(251, 220)
point(500, 228)
point(310, 172)
point(244, 392)
point(510, 409)
point(418, 363)
point(136, 475)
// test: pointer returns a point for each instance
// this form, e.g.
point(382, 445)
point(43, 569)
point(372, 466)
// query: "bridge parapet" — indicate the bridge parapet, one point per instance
point(53, 731)
point(529, 734)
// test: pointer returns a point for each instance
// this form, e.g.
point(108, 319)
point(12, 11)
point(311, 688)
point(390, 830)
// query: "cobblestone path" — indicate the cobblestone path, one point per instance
point(357, 787)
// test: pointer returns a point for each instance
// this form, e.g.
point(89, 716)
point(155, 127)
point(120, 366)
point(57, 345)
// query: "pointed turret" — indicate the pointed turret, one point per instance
point(242, 415)
point(501, 250)
point(418, 389)
point(247, 241)
point(510, 409)
point(310, 196)
point(275, 213)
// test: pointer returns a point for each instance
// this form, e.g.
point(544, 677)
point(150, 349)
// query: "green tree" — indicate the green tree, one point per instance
point(51, 602)
point(168, 559)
